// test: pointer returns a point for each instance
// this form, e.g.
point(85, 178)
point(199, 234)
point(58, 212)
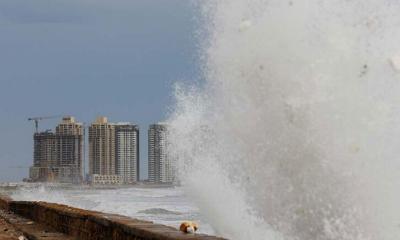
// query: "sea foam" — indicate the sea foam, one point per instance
point(296, 131)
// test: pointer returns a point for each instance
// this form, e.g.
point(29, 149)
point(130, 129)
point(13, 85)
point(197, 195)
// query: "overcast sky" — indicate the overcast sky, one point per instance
point(117, 58)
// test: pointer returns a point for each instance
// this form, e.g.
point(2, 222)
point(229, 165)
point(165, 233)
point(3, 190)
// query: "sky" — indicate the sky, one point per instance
point(89, 58)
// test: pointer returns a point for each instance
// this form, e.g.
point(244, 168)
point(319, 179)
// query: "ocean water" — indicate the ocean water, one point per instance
point(166, 205)
point(295, 131)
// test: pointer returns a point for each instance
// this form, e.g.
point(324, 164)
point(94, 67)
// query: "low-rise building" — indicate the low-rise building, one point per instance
point(106, 179)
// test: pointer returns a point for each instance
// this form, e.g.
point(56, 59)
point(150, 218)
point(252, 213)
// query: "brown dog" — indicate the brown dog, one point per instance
point(188, 227)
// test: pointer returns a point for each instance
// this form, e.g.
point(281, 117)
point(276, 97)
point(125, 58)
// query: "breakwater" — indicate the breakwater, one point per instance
point(83, 224)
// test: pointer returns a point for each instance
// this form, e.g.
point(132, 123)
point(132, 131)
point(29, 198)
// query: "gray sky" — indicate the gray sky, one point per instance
point(117, 58)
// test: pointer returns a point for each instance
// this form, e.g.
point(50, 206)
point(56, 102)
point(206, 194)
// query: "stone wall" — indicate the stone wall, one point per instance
point(91, 225)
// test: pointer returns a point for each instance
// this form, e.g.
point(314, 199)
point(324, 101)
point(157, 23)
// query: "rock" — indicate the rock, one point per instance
point(188, 227)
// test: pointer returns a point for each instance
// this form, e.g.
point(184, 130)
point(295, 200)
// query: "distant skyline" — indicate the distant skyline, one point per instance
point(89, 58)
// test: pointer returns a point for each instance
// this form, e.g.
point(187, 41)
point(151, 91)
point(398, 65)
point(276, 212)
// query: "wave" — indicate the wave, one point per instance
point(295, 133)
point(159, 211)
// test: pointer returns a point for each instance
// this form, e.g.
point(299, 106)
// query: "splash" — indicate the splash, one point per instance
point(295, 134)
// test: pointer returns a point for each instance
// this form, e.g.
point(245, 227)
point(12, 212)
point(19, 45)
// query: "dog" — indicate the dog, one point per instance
point(188, 227)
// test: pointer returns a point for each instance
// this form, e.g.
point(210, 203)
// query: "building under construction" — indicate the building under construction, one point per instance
point(58, 155)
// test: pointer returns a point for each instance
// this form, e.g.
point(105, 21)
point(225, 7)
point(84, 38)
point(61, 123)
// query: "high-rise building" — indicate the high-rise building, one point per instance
point(160, 164)
point(102, 147)
point(70, 149)
point(44, 156)
point(113, 152)
point(127, 151)
point(58, 156)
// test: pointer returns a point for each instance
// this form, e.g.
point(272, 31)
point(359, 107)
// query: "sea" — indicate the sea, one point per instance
point(164, 205)
point(291, 132)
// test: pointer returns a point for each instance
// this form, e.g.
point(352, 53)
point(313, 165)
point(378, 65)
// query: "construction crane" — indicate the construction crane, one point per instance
point(37, 119)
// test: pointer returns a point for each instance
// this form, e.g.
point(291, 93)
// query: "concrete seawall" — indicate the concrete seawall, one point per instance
point(83, 224)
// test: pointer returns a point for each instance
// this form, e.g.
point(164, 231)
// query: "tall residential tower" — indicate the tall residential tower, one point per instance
point(70, 149)
point(102, 147)
point(113, 152)
point(127, 151)
point(161, 168)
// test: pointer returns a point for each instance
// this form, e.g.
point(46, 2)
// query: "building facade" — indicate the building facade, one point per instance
point(107, 179)
point(58, 155)
point(160, 164)
point(70, 149)
point(113, 151)
point(127, 151)
point(44, 156)
point(102, 147)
